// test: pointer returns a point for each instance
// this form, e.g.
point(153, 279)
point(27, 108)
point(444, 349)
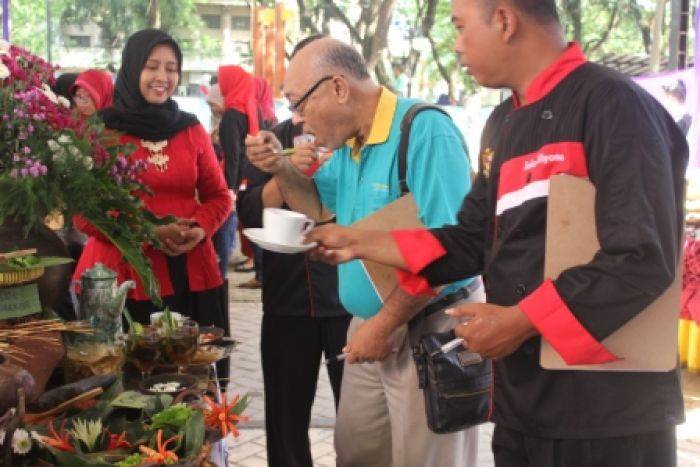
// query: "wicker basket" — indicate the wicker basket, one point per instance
point(11, 278)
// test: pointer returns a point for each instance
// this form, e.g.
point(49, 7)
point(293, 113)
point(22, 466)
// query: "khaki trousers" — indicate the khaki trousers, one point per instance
point(381, 419)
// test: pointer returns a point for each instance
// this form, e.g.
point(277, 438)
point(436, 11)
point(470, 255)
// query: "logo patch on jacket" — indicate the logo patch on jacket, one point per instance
point(526, 177)
point(486, 160)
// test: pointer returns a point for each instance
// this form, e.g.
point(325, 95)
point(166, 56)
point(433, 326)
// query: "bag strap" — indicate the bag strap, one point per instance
point(406, 123)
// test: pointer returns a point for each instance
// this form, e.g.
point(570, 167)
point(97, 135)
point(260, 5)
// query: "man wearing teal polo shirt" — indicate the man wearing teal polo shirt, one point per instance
point(381, 420)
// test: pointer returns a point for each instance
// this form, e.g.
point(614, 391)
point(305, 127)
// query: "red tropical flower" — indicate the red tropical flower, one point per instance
point(117, 441)
point(60, 440)
point(225, 416)
point(162, 455)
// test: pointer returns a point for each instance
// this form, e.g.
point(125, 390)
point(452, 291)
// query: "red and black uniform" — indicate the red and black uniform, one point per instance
point(302, 320)
point(590, 122)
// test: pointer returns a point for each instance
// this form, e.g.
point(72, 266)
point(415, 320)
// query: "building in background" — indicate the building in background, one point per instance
point(224, 22)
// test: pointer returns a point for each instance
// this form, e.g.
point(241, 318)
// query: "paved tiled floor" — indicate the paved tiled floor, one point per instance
point(248, 450)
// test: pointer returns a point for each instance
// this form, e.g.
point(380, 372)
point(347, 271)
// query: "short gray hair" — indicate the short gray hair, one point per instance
point(345, 58)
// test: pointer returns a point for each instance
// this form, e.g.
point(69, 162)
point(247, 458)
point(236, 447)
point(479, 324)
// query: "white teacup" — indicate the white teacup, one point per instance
point(285, 227)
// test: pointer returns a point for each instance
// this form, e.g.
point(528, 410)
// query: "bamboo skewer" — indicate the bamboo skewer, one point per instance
point(35, 417)
point(31, 329)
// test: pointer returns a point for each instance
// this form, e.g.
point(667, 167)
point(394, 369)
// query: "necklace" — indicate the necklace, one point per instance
point(157, 157)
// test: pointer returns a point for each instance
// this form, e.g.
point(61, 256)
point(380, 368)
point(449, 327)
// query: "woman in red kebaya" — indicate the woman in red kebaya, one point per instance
point(241, 117)
point(185, 180)
point(92, 91)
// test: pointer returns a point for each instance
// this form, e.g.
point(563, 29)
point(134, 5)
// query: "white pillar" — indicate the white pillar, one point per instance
point(226, 41)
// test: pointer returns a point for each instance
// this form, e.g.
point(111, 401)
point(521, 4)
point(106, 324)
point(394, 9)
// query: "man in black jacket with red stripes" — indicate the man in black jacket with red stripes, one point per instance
point(566, 116)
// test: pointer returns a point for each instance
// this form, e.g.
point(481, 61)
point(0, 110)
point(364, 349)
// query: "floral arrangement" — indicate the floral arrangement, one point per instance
point(123, 429)
point(52, 161)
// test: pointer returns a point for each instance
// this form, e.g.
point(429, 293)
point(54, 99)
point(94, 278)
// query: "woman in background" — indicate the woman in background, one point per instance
point(241, 117)
point(266, 103)
point(92, 91)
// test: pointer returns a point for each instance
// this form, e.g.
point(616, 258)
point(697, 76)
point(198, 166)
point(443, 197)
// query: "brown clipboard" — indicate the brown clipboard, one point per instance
point(648, 342)
point(399, 214)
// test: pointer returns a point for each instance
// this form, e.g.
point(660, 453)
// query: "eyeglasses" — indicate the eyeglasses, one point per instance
point(82, 97)
point(295, 106)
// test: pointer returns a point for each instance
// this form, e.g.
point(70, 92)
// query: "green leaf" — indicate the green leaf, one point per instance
point(134, 326)
point(113, 391)
point(68, 459)
point(131, 461)
point(133, 400)
point(133, 254)
point(241, 405)
point(194, 434)
point(174, 416)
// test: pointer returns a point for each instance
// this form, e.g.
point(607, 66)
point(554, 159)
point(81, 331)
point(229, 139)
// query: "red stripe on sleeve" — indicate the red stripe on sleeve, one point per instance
point(418, 248)
point(413, 284)
point(558, 326)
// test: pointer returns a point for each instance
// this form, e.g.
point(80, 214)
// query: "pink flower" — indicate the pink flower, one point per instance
point(27, 150)
point(34, 171)
point(24, 172)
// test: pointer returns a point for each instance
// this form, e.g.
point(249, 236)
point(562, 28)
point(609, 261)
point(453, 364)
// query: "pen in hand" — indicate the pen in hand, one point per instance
point(342, 356)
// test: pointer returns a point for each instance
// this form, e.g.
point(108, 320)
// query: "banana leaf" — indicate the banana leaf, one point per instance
point(135, 257)
point(23, 263)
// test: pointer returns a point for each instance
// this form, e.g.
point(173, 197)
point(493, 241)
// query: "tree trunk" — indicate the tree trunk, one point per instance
point(444, 72)
point(655, 56)
point(674, 35)
point(591, 46)
point(370, 31)
point(153, 14)
point(377, 33)
point(573, 11)
point(644, 29)
point(382, 75)
point(305, 21)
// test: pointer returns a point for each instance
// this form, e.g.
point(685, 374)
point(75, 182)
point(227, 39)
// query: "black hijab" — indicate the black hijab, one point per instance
point(63, 85)
point(131, 113)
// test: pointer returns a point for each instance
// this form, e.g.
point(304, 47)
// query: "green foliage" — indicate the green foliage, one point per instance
point(194, 434)
point(22, 263)
point(602, 26)
point(608, 26)
point(50, 162)
point(174, 417)
point(28, 23)
point(94, 433)
point(117, 19)
point(87, 432)
point(131, 461)
point(133, 400)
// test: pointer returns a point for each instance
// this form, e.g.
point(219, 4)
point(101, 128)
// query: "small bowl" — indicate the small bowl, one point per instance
point(208, 354)
point(186, 382)
point(209, 334)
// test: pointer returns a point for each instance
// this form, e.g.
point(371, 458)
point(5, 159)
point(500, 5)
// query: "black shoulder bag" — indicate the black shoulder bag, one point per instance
point(457, 384)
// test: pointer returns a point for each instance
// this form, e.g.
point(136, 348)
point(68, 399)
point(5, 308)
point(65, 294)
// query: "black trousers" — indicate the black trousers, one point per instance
point(292, 347)
point(512, 448)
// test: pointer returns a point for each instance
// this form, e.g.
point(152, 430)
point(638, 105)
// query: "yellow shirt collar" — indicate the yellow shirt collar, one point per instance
point(381, 124)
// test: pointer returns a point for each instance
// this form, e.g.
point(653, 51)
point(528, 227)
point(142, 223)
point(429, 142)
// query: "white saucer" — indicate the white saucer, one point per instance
point(257, 236)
